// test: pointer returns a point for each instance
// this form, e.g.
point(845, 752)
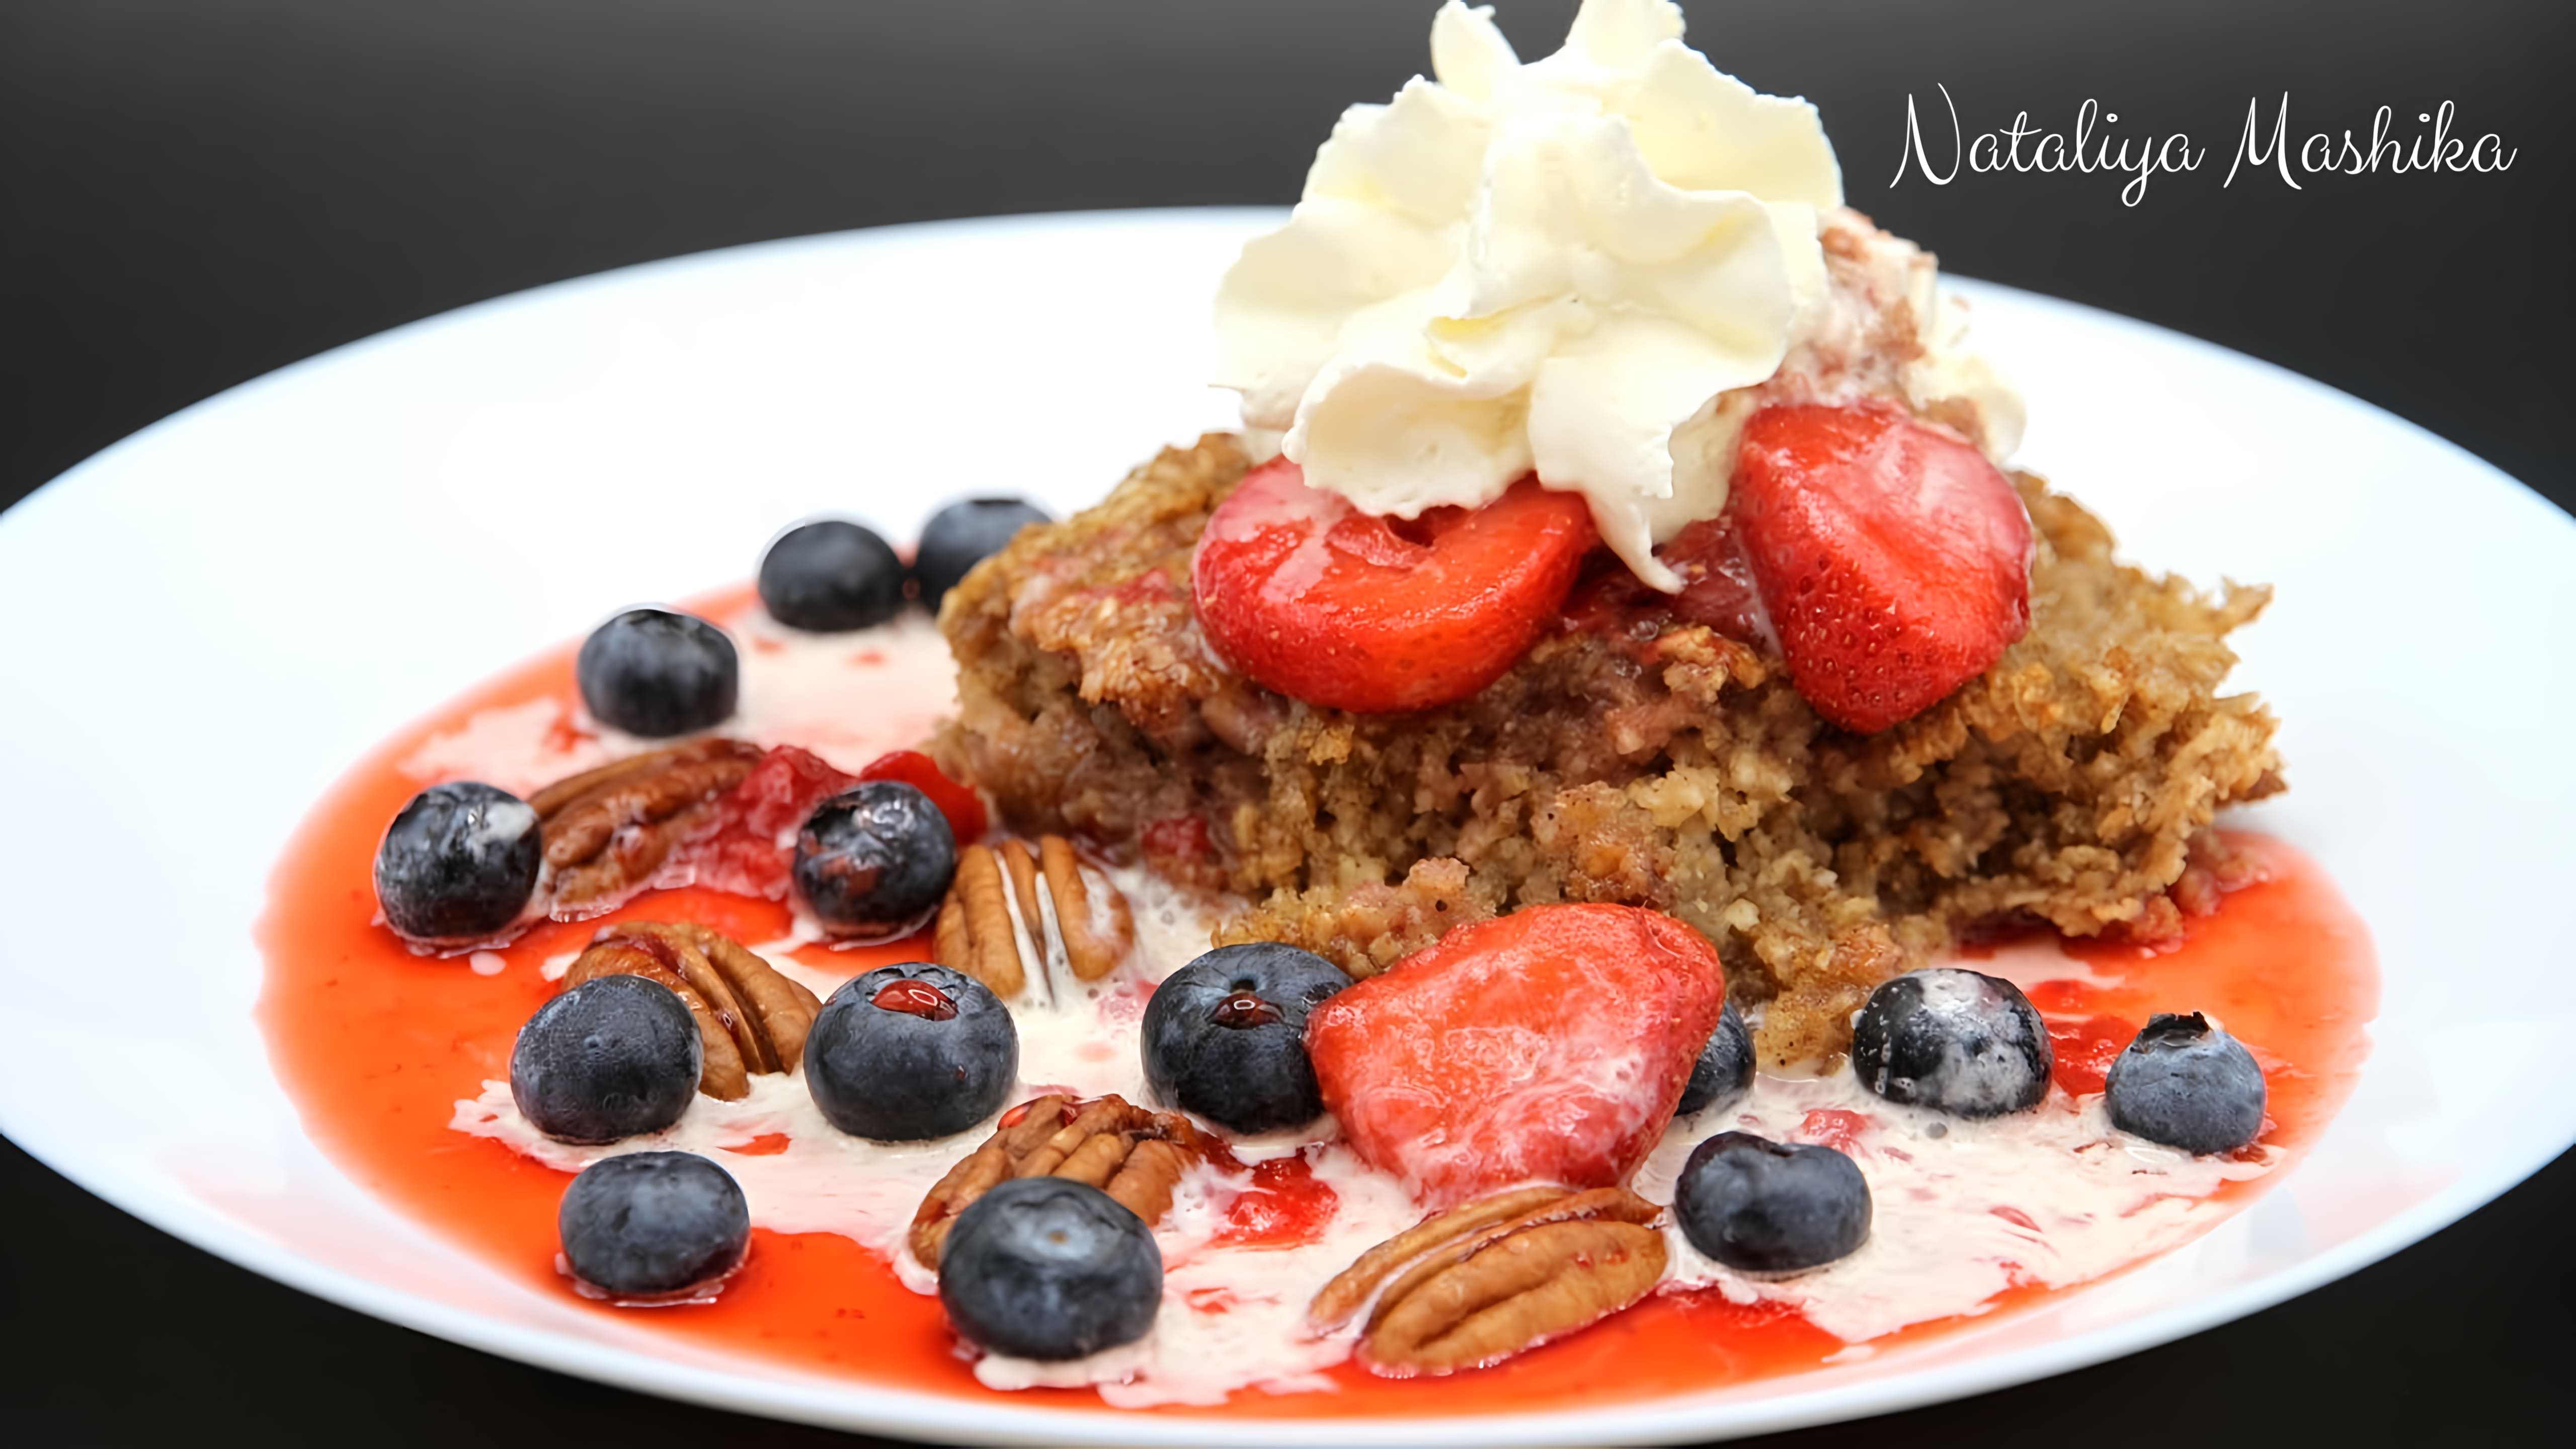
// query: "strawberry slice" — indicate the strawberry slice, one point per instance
point(1894, 559)
point(1307, 595)
point(963, 807)
point(1547, 1046)
point(1285, 1205)
point(747, 852)
point(754, 837)
point(1717, 590)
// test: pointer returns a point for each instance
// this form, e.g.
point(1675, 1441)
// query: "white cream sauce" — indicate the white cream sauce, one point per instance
point(1962, 1210)
point(1233, 1316)
point(847, 697)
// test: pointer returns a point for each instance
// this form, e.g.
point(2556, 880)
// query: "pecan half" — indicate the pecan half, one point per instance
point(607, 831)
point(1481, 1282)
point(1010, 912)
point(750, 1018)
point(1132, 1153)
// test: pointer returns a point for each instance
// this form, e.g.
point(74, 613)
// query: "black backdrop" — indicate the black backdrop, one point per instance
point(193, 192)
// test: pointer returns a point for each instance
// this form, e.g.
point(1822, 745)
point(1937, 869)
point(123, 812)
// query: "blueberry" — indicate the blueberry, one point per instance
point(830, 576)
point(909, 1053)
point(1225, 1036)
point(875, 861)
point(2186, 1084)
point(1760, 1206)
point(458, 863)
point(611, 1058)
point(654, 673)
point(1050, 1268)
point(1966, 1043)
point(653, 1224)
point(962, 535)
point(1725, 1065)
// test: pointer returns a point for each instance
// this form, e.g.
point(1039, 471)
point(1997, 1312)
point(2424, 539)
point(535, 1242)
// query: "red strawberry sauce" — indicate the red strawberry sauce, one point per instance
point(376, 1045)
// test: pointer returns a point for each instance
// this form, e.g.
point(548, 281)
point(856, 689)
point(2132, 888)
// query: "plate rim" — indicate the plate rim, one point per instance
point(941, 1419)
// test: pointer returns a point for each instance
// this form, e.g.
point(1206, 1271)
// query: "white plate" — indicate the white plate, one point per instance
point(211, 620)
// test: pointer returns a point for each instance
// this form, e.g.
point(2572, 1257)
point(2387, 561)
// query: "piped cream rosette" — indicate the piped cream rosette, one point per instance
point(1550, 266)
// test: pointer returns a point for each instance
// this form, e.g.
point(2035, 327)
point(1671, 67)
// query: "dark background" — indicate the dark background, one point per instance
point(193, 192)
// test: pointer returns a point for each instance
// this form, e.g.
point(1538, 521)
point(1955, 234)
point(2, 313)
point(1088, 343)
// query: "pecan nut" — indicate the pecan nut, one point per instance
point(750, 1018)
point(1134, 1154)
point(1484, 1281)
point(1012, 912)
point(607, 832)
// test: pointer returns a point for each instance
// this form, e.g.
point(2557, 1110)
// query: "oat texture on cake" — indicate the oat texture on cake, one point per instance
point(1650, 761)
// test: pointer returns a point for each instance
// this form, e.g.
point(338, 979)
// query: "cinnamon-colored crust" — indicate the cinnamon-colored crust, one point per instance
point(1671, 767)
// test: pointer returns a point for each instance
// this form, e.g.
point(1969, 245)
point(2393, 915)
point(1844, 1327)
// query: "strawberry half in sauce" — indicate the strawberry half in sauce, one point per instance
point(743, 854)
point(748, 851)
point(1307, 595)
point(963, 807)
point(1547, 1046)
point(1894, 559)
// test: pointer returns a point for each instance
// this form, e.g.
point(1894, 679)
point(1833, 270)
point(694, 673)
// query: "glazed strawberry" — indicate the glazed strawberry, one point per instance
point(1549, 1045)
point(1321, 602)
point(1285, 1205)
point(1717, 590)
point(963, 807)
point(743, 854)
point(1894, 559)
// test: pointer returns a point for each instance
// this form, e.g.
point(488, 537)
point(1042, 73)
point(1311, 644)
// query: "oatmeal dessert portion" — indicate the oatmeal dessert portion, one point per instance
point(1636, 757)
point(1792, 657)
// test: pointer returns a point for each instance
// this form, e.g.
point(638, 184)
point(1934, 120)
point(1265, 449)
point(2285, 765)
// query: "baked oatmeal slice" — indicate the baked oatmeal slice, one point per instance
point(1640, 760)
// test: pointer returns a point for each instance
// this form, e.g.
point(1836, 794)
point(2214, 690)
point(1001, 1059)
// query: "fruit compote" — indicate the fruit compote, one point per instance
point(395, 1060)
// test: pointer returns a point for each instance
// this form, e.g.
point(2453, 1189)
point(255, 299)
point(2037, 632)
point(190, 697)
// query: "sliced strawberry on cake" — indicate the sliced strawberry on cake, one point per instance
point(1324, 603)
point(1894, 559)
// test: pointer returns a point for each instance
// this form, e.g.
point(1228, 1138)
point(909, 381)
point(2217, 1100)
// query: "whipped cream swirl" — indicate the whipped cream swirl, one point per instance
point(1552, 267)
